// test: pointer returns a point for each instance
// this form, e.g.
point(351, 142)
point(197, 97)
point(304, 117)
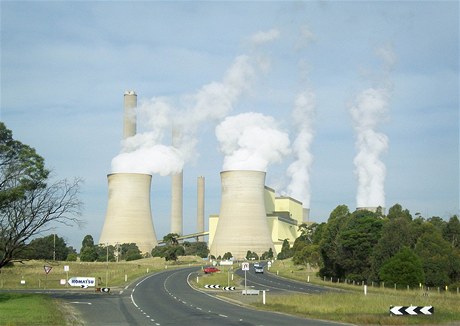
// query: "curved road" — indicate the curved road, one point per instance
point(166, 298)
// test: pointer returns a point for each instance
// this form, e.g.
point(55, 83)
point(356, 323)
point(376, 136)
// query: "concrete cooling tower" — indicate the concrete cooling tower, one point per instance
point(129, 218)
point(242, 223)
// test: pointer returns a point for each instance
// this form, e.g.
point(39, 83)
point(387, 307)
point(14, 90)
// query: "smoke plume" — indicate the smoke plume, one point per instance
point(368, 111)
point(302, 116)
point(299, 170)
point(251, 141)
point(146, 153)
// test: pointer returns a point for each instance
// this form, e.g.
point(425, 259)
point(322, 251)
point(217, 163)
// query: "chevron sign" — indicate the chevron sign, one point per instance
point(412, 310)
point(212, 286)
point(228, 288)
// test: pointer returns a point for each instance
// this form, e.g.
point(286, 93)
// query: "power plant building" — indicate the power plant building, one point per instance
point(241, 227)
point(129, 218)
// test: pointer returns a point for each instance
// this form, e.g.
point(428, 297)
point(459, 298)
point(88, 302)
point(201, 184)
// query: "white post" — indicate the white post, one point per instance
point(197, 280)
point(263, 296)
point(308, 279)
point(365, 289)
point(126, 277)
point(245, 290)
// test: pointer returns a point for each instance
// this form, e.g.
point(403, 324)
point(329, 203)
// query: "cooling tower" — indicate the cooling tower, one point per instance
point(129, 218)
point(200, 206)
point(129, 116)
point(242, 223)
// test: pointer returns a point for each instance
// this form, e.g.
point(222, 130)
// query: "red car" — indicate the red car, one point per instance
point(208, 270)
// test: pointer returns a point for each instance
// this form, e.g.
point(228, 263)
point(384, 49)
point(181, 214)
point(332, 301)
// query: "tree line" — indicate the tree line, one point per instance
point(396, 249)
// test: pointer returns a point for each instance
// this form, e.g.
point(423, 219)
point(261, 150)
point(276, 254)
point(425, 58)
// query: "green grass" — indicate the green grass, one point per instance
point(36, 309)
point(372, 309)
point(29, 309)
point(222, 278)
point(353, 306)
point(33, 276)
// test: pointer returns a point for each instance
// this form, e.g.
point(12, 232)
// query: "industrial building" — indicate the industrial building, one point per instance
point(245, 217)
point(251, 216)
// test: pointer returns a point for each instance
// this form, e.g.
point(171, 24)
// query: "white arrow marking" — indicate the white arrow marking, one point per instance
point(395, 310)
point(410, 310)
point(426, 310)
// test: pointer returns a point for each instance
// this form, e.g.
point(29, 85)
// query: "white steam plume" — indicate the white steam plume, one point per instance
point(299, 170)
point(302, 115)
point(369, 109)
point(251, 141)
point(211, 103)
point(143, 152)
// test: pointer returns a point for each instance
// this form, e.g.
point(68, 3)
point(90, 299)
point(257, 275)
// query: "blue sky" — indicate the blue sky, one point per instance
point(66, 65)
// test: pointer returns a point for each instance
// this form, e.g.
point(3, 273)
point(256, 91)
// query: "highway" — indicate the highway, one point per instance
point(166, 298)
point(273, 283)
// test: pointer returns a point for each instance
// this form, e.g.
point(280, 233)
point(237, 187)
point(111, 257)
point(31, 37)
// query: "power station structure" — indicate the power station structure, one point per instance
point(129, 217)
point(177, 185)
point(242, 223)
point(252, 217)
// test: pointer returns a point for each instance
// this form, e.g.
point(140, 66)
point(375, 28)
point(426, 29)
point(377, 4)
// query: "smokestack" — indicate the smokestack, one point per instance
point(176, 203)
point(242, 223)
point(306, 215)
point(177, 192)
point(200, 206)
point(129, 117)
point(129, 218)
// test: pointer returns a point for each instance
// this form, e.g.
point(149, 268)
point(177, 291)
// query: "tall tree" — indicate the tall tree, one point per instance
point(356, 241)
point(396, 233)
point(452, 232)
point(435, 253)
point(329, 245)
point(403, 269)
point(29, 201)
point(51, 247)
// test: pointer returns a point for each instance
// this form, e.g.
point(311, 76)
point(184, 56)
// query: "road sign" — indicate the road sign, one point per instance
point(412, 310)
point(245, 266)
point(212, 286)
point(66, 268)
point(47, 269)
point(82, 281)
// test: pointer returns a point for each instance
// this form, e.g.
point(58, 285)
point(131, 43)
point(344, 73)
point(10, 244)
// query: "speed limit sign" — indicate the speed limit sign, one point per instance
point(245, 266)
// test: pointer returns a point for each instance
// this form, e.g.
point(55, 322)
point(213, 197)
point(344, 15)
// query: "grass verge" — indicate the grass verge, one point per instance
point(29, 309)
point(353, 306)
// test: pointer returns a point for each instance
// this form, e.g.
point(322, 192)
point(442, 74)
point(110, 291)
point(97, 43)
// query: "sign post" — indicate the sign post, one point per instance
point(47, 270)
point(245, 267)
point(66, 270)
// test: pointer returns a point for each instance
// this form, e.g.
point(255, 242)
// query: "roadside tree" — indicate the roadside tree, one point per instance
point(29, 201)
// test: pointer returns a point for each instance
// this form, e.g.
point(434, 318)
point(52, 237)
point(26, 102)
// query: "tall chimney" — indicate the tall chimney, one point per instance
point(177, 181)
point(129, 116)
point(242, 223)
point(129, 218)
point(200, 206)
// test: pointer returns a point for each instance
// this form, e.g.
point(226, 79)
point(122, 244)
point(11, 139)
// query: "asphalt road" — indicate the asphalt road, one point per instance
point(166, 298)
point(273, 283)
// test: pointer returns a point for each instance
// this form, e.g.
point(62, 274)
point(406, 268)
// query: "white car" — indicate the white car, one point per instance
point(259, 269)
